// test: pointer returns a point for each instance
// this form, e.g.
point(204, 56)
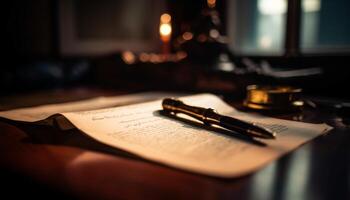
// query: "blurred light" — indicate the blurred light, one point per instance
point(181, 55)
point(311, 5)
point(214, 33)
point(165, 18)
point(265, 42)
point(144, 57)
point(154, 58)
point(211, 3)
point(128, 57)
point(202, 38)
point(272, 7)
point(187, 36)
point(165, 29)
point(160, 58)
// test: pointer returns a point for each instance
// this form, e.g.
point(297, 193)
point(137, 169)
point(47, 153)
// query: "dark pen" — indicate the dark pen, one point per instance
point(209, 116)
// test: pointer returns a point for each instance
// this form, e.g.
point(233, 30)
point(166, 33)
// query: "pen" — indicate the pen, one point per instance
point(209, 116)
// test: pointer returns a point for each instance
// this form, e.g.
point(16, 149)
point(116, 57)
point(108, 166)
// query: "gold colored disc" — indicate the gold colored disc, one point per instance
point(273, 97)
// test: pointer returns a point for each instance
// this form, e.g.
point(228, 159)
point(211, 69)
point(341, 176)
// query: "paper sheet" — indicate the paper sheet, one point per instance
point(38, 113)
point(185, 144)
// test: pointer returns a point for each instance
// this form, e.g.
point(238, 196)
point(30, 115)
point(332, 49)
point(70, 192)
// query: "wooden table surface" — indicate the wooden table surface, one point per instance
point(44, 162)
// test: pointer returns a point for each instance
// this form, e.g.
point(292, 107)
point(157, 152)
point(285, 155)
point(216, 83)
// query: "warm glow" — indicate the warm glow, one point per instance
point(272, 7)
point(128, 57)
point(165, 18)
point(165, 29)
point(187, 36)
point(202, 38)
point(144, 57)
point(180, 55)
point(211, 3)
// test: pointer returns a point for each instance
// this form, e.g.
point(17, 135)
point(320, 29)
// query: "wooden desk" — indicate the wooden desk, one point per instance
point(44, 162)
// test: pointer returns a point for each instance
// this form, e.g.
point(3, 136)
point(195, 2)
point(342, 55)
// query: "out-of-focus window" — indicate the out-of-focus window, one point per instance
point(257, 26)
point(106, 19)
point(325, 26)
point(90, 27)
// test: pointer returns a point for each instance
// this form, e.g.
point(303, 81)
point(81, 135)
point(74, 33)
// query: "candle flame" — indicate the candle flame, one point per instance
point(165, 27)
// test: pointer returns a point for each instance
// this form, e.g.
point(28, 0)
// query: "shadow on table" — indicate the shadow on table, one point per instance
point(221, 131)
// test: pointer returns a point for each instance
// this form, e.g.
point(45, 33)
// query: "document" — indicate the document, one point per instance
point(47, 114)
point(186, 144)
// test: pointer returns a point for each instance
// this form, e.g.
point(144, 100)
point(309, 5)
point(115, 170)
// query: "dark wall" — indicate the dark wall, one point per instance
point(28, 28)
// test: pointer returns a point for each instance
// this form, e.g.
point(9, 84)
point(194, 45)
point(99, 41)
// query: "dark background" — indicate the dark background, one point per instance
point(33, 61)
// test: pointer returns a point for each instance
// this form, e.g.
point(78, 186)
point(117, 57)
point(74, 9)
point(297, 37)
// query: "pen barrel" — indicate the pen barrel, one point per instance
point(245, 127)
point(206, 115)
point(233, 124)
point(209, 116)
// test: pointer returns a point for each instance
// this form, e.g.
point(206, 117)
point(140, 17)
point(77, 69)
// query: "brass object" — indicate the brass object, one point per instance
point(273, 98)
